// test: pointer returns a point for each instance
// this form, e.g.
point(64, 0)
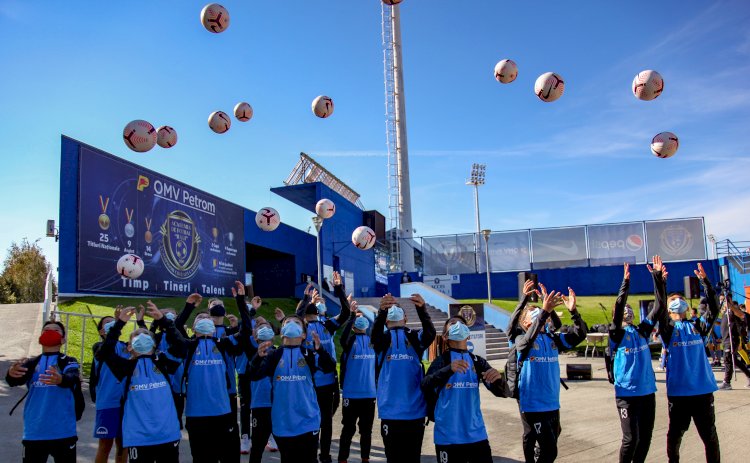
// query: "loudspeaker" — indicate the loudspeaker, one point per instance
point(522, 277)
point(692, 288)
point(376, 221)
point(579, 371)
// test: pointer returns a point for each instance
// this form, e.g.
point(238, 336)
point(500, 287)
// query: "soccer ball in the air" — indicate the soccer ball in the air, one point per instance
point(219, 121)
point(130, 266)
point(140, 136)
point(166, 136)
point(363, 237)
point(268, 219)
point(506, 71)
point(664, 145)
point(549, 87)
point(325, 208)
point(647, 85)
point(215, 18)
point(322, 106)
point(243, 112)
point(392, 2)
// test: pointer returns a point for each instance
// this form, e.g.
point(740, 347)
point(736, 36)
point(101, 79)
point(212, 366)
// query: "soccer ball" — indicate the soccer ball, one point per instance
point(130, 266)
point(215, 18)
point(647, 85)
point(363, 238)
point(664, 145)
point(325, 208)
point(549, 87)
point(166, 136)
point(140, 136)
point(506, 71)
point(219, 121)
point(268, 219)
point(243, 112)
point(322, 106)
point(392, 2)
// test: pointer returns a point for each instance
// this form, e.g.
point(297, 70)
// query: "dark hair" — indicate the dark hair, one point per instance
point(53, 322)
point(296, 317)
point(459, 317)
point(100, 325)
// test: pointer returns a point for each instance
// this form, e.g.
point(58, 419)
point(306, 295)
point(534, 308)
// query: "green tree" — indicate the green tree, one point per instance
point(24, 274)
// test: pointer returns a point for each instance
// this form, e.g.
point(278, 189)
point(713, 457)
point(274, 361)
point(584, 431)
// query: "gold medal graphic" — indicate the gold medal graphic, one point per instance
point(215, 233)
point(129, 228)
point(103, 217)
point(148, 237)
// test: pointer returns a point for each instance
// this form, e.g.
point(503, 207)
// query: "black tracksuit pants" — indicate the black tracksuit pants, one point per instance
point(261, 423)
point(179, 405)
point(298, 449)
point(728, 370)
point(699, 408)
point(327, 397)
point(352, 411)
point(637, 421)
point(542, 428)
point(477, 452)
point(402, 440)
point(162, 453)
point(243, 388)
point(61, 450)
point(214, 438)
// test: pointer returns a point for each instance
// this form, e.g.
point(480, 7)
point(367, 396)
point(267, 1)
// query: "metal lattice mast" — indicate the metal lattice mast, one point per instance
point(399, 194)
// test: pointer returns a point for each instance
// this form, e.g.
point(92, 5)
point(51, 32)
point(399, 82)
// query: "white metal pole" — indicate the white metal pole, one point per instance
point(487, 266)
point(479, 232)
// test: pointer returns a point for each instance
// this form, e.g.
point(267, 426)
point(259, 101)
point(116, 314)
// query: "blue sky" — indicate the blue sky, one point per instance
point(86, 68)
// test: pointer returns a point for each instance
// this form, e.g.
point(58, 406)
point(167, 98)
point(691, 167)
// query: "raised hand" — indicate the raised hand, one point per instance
point(316, 340)
point(118, 309)
point(256, 302)
point(239, 289)
point(700, 273)
point(263, 348)
point(570, 301)
point(658, 265)
point(336, 279)
point(126, 314)
point(278, 314)
point(551, 300)
point(353, 306)
point(387, 302)
point(626, 271)
point(491, 375)
point(308, 289)
point(51, 376)
point(418, 300)
point(17, 370)
point(459, 366)
point(528, 287)
point(140, 313)
point(153, 311)
point(315, 296)
point(232, 320)
point(195, 299)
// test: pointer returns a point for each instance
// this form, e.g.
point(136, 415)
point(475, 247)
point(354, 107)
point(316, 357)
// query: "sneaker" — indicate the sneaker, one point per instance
point(271, 445)
point(725, 387)
point(245, 444)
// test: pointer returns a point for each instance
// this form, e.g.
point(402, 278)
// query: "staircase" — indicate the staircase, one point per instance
point(496, 340)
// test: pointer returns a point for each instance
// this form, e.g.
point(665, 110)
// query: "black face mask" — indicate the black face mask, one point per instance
point(217, 311)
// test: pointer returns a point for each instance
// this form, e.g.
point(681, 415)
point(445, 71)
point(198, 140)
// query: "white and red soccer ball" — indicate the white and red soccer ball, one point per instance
point(363, 237)
point(243, 111)
point(325, 208)
point(664, 145)
point(140, 136)
point(130, 266)
point(549, 87)
point(219, 122)
point(215, 18)
point(166, 136)
point(322, 106)
point(506, 71)
point(647, 85)
point(268, 219)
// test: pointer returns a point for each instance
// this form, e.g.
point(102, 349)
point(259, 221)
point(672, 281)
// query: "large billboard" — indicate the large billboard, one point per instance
point(509, 251)
point(190, 241)
point(449, 255)
point(559, 247)
point(676, 240)
point(615, 244)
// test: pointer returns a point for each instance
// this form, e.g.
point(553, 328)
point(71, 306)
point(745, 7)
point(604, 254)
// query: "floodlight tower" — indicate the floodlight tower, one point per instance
point(476, 180)
point(399, 194)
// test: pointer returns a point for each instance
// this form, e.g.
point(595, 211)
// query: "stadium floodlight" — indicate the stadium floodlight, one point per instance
point(477, 178)
point(318, 222)
point(486, 235)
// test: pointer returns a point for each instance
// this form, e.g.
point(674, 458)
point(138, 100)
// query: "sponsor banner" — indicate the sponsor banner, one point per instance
point(450, 255)
point(442, 283)
point(189, 241)
point(559, 247)
point(617, 243)
point(508, 251)
point(474, 316)
point(676, 240)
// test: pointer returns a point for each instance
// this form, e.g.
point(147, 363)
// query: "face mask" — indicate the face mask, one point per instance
point(534, 314)
point(395, 314)
point(361, 323)
point(628, 315)
point(291, 330)
point(264, 334)
point(50, 338)
point(142, 344)
point(678, 306)
point(322, 308)
point(170, 316)
point(458, 332)
point(108, 326)
point(217, 311)
point(205, 326)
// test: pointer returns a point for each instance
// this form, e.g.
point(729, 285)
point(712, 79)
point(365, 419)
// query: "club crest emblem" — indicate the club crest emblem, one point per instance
point(469, 314)
point(180, 245)
point(676, 240)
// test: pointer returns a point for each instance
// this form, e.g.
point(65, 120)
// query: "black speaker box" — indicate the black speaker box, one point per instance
point(522, 277)
point(692, 288)
point(579, 371)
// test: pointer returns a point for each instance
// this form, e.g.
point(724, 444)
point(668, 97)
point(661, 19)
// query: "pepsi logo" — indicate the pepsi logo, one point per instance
point(634, 243)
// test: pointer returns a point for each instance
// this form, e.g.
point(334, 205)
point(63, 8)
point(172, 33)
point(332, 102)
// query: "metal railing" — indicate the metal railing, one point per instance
point(736, 251)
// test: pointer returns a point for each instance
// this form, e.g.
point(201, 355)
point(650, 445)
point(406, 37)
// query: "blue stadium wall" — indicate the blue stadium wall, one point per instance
point(586, 281)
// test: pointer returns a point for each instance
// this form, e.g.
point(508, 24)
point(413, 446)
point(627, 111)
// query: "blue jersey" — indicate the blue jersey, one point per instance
point(359, 379)
point(149, 415)
point(688, 371)
point(633, 372)
point(539, 381)
point(109, 390)
point(260, 390)
point(207, 392)
point(326, 341)
point(221, 332)
point(458, 417)
point(294, 410)
point(399, 392)
point(175, 379)
point(49, 412)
